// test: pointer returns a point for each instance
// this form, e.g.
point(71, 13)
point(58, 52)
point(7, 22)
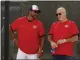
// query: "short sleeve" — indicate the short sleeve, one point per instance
point(41, 30)
point(14, 24)
point(51, 30)
point(74, 29)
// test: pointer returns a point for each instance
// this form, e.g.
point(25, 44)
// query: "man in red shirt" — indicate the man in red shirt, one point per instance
point(62, 36)
point(30, 35)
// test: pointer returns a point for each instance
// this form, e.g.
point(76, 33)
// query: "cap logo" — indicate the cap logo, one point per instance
point(34, 7)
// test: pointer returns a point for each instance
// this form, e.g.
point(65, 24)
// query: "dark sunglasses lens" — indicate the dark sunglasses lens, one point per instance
point(36, 12)
point(58, 14)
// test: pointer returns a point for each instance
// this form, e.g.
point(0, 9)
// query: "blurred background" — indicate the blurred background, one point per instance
point(47, 16)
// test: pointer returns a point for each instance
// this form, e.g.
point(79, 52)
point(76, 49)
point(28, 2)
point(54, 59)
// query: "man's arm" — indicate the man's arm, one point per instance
point(50, 38)
point(41, 42)
point(11, 32)
point(74, 38)
point(41, 46)
point(53, 44)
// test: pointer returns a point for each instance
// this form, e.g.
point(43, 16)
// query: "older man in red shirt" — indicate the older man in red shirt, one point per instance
point(62, 36)
point(30, 35)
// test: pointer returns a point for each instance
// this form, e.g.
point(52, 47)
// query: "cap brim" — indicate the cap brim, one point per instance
point(36, 10)
point(39, 11)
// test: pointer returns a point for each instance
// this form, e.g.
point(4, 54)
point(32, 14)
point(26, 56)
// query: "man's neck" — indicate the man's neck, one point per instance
point(30, 19)
point(64, 20)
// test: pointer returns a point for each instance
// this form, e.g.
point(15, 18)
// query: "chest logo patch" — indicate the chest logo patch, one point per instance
point(66, 26)
point(34, 26)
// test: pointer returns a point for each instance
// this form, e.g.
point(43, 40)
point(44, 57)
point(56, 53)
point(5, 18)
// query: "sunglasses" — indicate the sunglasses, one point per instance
point(36, 12)
point(58, 14)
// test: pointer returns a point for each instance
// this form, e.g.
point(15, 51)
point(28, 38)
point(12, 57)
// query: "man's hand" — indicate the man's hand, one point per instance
point(61, 41)
point(53, 45)
point(40, 53)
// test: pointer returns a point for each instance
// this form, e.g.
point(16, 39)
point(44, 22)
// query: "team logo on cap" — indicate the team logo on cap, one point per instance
point(34, 26)
point(35, 7)
point(66, 26)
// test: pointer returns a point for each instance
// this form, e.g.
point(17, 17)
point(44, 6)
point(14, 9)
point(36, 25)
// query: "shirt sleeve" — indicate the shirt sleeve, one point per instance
point(74, 29)
point(14, 25)
point(41, 30)
point(51, 30)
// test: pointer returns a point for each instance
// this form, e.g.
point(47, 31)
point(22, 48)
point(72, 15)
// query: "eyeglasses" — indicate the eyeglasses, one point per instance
point(36, 12)
point(58, 14)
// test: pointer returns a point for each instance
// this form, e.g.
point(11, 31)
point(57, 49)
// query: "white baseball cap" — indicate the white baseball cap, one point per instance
point(34, 8)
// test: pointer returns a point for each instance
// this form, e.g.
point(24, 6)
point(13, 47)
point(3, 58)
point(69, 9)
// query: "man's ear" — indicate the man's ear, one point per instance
point(66, 13)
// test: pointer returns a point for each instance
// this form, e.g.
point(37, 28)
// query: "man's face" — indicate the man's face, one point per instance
point(61, 14)
point(34, 14)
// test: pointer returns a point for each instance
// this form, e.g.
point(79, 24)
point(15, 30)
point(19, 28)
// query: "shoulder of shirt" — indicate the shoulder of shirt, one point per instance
point(39, 22)
point(71, 22)
point(56, 22)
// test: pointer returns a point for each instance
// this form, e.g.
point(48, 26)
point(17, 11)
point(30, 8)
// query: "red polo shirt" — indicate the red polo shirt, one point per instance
point(28, 34)
point(62, 31)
